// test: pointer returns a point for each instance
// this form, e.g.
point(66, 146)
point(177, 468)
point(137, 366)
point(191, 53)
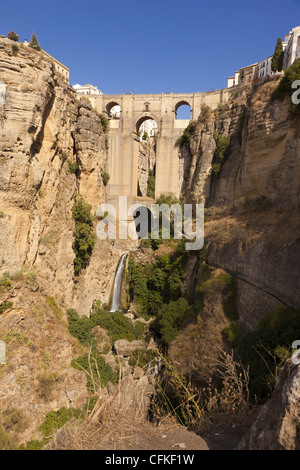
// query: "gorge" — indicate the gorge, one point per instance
point(240, 158)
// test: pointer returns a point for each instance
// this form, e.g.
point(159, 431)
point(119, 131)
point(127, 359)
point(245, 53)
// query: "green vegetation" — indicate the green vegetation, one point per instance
point(6, 305)
point(185, 139)
point(73, 166)
point(157, 291)
point(34, 43)
point(105, 178)
point(142, 358)
point(116, 324)
point(31, 277)
point(99, 373)
point(54, 420)
point(284, 89)
point(5, 280)
point(221, 152)
point(84, 236)
point(104, 123)
point(277, 60)
point(151, 184)
point(14, 49)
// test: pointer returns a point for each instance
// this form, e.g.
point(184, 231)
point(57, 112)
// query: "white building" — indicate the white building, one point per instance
point(265, 68)
point(291, 46)
point(87, 89)
point(149, 126)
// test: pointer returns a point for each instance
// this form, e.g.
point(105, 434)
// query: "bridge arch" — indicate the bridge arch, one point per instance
point(185, 105)
point(111, 106)
point(141, 119)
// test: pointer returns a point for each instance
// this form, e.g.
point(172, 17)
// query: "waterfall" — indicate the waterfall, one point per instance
point(117, 291)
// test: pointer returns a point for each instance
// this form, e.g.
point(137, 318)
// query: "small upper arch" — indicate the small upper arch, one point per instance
point(183, 110)
point(113, 109)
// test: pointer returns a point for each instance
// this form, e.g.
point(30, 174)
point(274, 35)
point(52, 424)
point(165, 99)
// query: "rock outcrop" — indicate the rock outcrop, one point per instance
point(277, 425)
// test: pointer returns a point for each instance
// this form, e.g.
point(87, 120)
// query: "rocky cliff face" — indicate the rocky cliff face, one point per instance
point(52, 147)
point(252, 215)
point(46, 133)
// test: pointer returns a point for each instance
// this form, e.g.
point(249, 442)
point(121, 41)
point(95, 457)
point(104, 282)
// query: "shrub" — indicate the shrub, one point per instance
point(105, 178)
point(185, 139)
point(104, 123)
point(80, 327)
point(14, 49)
point(31, 277)
point(5, 280)
point(221, 151)
point(13, 36)
point(170, 318)
point(55, 420)
point(73, 167)
point(116, 324)
point(99, 373)
point(232, 332)
point(6, 305)
point(151, 184)
point(84, 237)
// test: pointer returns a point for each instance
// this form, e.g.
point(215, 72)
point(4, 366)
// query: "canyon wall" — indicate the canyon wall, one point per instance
point(252, 204)
point(52, 147)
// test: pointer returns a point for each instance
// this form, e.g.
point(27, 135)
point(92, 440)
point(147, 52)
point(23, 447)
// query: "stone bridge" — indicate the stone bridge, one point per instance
point(124, 141)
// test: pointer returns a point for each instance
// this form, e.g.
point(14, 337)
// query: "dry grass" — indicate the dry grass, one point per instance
point(120, 418)
point(213, 405)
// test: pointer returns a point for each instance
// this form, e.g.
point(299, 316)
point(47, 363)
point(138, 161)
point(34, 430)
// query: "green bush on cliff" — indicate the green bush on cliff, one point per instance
point(115, 323)
point(99, 373)
point(170, 318)
point(185, 139)
point(84, 236)
point(221, 152)
point(151, 184)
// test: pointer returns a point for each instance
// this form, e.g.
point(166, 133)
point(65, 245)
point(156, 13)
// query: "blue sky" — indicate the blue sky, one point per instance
point(153, 46)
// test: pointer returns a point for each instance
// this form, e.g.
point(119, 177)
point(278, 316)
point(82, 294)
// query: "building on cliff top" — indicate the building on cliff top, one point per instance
point(263, 69)
point(87, 89)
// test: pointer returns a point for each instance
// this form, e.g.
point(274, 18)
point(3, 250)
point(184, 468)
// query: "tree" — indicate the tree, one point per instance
point(34, 43)
point(277, 60)
point(13, 36)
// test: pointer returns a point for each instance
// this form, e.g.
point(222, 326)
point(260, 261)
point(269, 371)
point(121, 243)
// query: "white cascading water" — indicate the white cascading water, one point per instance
point(116, 305)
